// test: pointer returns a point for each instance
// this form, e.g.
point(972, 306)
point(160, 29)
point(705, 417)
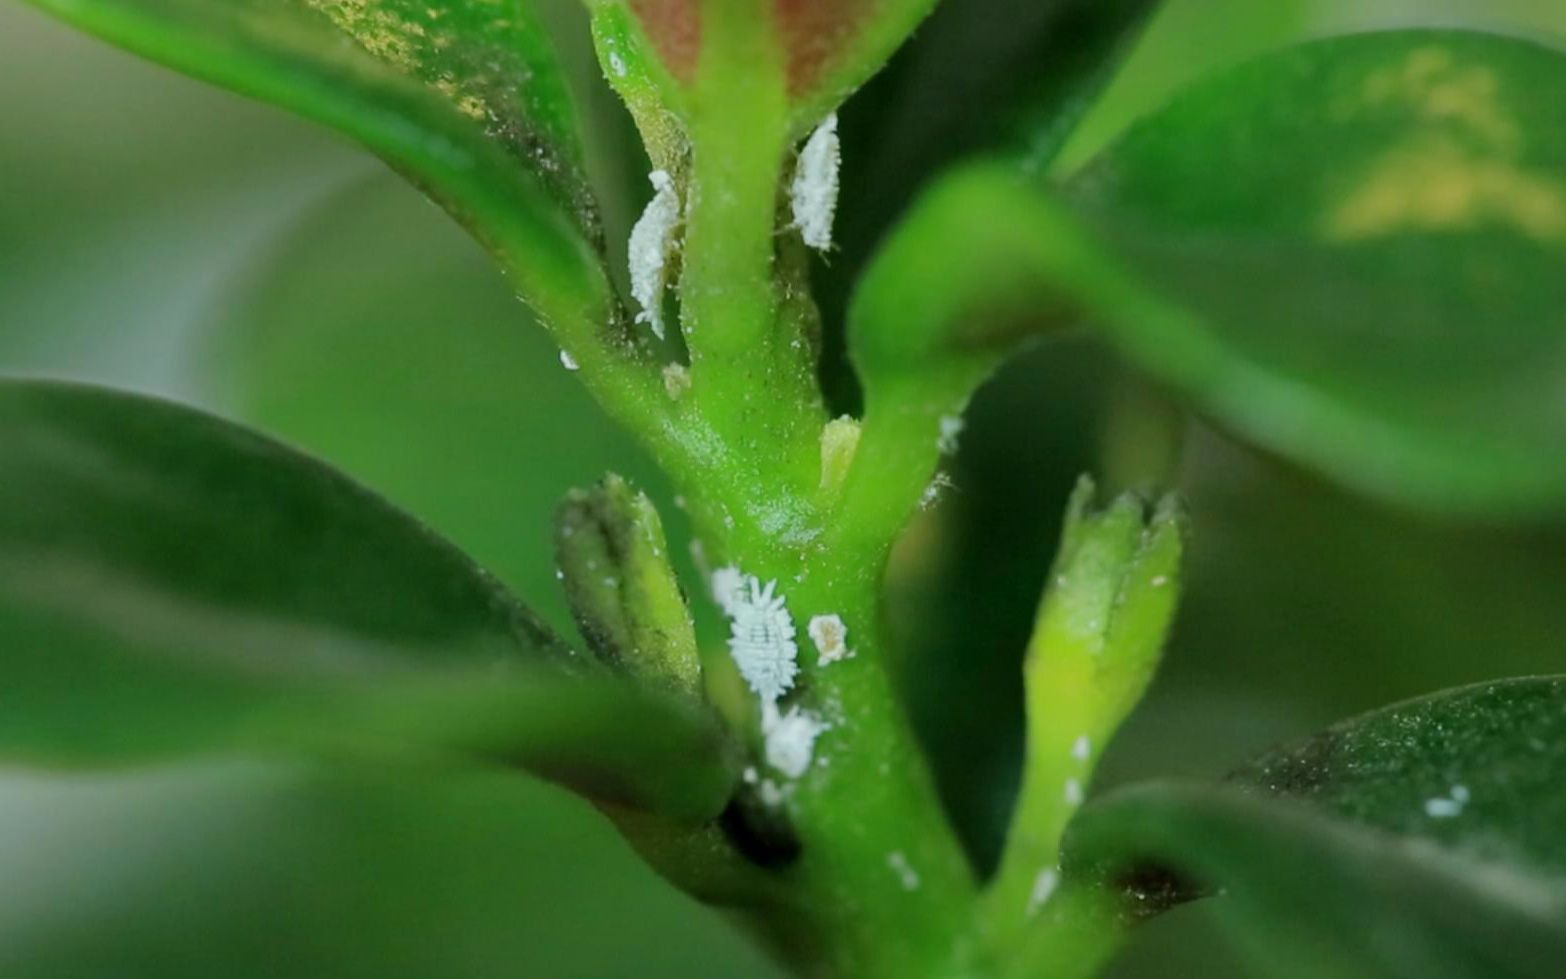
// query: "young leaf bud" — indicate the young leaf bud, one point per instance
point(623, 593)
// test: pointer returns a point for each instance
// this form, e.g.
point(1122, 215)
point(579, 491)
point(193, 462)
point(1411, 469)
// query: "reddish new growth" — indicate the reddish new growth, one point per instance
point(815, 33)
point(674, 26)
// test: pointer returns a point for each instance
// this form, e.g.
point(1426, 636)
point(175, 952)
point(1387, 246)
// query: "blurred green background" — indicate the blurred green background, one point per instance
point(160, 235)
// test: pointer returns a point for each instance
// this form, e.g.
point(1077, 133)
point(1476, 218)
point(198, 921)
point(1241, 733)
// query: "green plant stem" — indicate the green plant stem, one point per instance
point(882, 887)
point(752, 370)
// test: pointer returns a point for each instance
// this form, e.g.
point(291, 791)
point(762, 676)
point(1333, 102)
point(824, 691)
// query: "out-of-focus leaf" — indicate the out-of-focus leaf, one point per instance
point(1386, 312)
point(170, 583)
point(980, 75)
point(1311, 898)
point(1476, 769)
point(377, 337)
point(467, 99)
point(347, 874)
point(1362, 280)
point(977, 75)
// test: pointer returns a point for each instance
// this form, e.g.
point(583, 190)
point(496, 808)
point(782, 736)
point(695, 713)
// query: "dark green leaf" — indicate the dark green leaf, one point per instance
point(170, 583)
point(1476, 769)
point(979, 75)
point(1349, 251)
point(1307, 898)
point(1346, 251)
point(466, 98)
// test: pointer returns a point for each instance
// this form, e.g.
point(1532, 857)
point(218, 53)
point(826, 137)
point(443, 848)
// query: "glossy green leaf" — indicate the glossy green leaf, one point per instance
point(1310, 898)
point(1476, 769)
point(465, 98)
point(1349, 251)
point(980, 75)
point(248, 871)
point(1345, 251)
point(170, 583)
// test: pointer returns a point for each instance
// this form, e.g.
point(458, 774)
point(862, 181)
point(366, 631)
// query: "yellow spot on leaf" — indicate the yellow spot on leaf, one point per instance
point(1437, 185)
point(403, 43)
point(1434, 87)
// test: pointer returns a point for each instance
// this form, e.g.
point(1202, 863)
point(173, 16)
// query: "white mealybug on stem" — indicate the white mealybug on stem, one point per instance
point(652, 239)
point(761, 637)
point(814, 190)
point(1043, 889)
point(951, 429)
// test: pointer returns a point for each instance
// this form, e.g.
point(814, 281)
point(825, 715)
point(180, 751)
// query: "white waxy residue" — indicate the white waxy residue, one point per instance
point(1073, 792)
point(727, 583)
point(906, 874)
point(790, 738)
point(1450, 806)
point(831, 638)
point(1082, 748)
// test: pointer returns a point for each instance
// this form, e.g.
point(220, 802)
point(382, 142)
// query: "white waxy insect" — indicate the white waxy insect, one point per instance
point(906, 874)
point(790, 738)
point(1082, 748)
point(1450, 807)
point(1043, 889)
point(568, 362)
point(831, 638)
point(1073, 792)
point(653, 239)
point(761, 637)
point(814, 189)
point(951, 429)
point(676, 381)
point(727, 584)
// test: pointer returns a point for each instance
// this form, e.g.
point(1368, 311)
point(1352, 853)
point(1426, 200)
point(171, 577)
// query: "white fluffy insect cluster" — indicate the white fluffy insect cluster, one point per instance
point(814, 190)
point(790, 737)
point(653, 239)
point(951, 427)
point(1044, 886)
point(761, 632)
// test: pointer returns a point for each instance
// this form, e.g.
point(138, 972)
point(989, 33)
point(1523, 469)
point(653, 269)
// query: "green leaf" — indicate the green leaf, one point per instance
point(170, 583)
point(980, 75)
point(465, 98)
point(1307, 898)
point(1345, 251)
point(476, 875)
point(1476, 769)
point(1349, 251)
